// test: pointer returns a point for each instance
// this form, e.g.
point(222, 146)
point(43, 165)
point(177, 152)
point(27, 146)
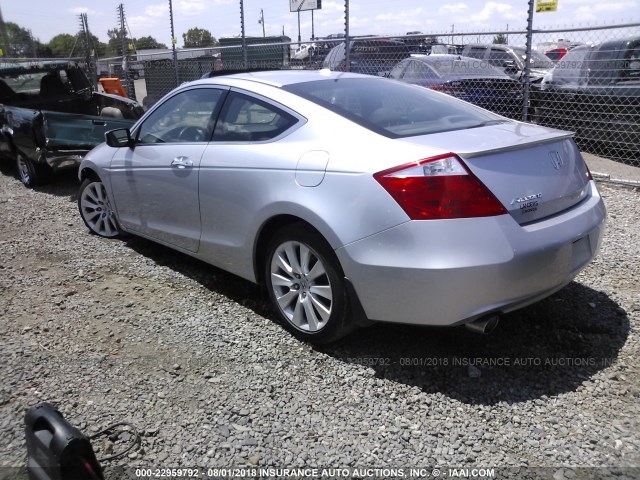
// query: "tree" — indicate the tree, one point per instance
point(149, 42)
point(62, 46)
point(198, 38)
point(19, 41)
point(43, 50)
point(114, 46)
point(500, 38)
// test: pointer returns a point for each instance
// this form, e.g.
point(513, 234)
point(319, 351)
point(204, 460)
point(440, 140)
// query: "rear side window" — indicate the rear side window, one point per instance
point(248, 119)
point(604, 64)
point(391, 108)
point(572, 67)
point(632, 63)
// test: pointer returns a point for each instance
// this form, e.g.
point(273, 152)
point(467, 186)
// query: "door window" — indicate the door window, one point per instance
point(187, 117)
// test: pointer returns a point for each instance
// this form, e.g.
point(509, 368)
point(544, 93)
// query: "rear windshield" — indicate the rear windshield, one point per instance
point(391, 108)
point(464, 66)
point(538, 60)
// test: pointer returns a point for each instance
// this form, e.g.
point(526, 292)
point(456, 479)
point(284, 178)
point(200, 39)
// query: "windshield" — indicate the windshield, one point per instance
point(538, 60)
point(391, 108)
point(24, 82)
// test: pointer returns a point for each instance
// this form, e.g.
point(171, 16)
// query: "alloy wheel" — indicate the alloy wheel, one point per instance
point(301, 286)
point(97, 212)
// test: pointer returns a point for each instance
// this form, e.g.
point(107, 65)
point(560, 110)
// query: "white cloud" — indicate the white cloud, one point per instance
point(157, 10)
point(595, 10)
point(194, 8)
point(493, 13)
point(451, 8)
point(79, 10)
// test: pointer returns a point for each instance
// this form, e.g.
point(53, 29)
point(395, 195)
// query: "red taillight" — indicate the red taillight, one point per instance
point(438, 188)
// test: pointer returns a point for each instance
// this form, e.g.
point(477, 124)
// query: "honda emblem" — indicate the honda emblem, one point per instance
point(556, 160)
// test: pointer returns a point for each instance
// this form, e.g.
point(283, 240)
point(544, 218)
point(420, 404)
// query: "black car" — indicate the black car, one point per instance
point(466, 78)
point(367, 56)
point(50, 116)
point(595, 92)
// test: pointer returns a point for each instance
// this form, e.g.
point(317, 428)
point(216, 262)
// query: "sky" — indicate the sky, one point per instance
point(47, 18)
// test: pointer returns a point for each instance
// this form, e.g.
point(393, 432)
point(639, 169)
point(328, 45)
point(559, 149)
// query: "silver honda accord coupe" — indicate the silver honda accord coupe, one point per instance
point(351, 198)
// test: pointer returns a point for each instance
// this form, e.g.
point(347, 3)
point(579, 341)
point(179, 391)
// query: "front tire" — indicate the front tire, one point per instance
point(306, 286)
point(96, 211)
point(31, 174)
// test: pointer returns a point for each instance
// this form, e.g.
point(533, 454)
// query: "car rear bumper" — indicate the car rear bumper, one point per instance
point(449, 272)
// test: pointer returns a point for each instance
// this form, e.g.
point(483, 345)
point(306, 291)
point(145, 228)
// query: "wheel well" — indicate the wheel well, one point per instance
point(88, 173)
point(268, 230)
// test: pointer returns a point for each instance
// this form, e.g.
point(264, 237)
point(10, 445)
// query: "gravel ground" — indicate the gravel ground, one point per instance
point(111, 330)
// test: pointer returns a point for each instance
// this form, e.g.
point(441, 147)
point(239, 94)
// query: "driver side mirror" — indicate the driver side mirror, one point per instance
point(119, 138)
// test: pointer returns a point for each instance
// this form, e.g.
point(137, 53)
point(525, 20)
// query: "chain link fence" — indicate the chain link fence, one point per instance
point(586, 80)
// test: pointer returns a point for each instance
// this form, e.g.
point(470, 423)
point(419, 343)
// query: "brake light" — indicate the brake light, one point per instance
point(438, 188)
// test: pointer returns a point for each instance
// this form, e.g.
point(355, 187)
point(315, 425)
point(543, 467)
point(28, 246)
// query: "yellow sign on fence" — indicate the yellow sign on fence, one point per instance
point(546, 6)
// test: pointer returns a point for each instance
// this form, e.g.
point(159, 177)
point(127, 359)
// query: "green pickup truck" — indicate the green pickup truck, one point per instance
point(594, 90)
point(50, 117)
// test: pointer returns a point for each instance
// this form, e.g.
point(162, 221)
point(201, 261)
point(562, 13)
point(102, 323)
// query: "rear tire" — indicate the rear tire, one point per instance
point(306, 286)
point(32, 174)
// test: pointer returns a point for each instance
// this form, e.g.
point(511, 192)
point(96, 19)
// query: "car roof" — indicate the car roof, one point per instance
point(279, 78)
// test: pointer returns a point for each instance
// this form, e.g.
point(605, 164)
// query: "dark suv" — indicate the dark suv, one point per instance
point(594, 90)
point(368, 56)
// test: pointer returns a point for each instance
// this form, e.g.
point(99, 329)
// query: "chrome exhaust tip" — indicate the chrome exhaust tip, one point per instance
point(484, 325)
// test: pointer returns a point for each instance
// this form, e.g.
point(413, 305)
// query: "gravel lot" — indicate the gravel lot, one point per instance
point(111, 330)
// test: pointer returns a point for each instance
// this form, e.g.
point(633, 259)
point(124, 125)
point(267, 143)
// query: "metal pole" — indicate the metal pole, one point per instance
point(527, 63)
point(262, 22)
point(125, 54)
point(313, 34)
point(299, 36)
point(245, 54)
point(173, 44)
point(347, 56)
point(5, 38)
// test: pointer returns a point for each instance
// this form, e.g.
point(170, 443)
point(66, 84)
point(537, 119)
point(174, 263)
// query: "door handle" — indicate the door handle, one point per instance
point(182, 162)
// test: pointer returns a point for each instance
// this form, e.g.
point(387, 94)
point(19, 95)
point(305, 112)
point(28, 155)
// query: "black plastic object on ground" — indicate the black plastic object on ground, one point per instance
point(56, 450)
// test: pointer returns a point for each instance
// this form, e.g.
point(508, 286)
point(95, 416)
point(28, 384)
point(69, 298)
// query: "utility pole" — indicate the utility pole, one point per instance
point(90, 54)
point(245, 54)
point(347, 43)
point(313, 33)
point(173, 44)
point(527, 63)
point(5, 38)
point(125, 53)
point(261, 22)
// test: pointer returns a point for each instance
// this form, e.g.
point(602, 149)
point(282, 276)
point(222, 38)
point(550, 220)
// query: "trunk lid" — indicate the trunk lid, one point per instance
point(535, 172)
